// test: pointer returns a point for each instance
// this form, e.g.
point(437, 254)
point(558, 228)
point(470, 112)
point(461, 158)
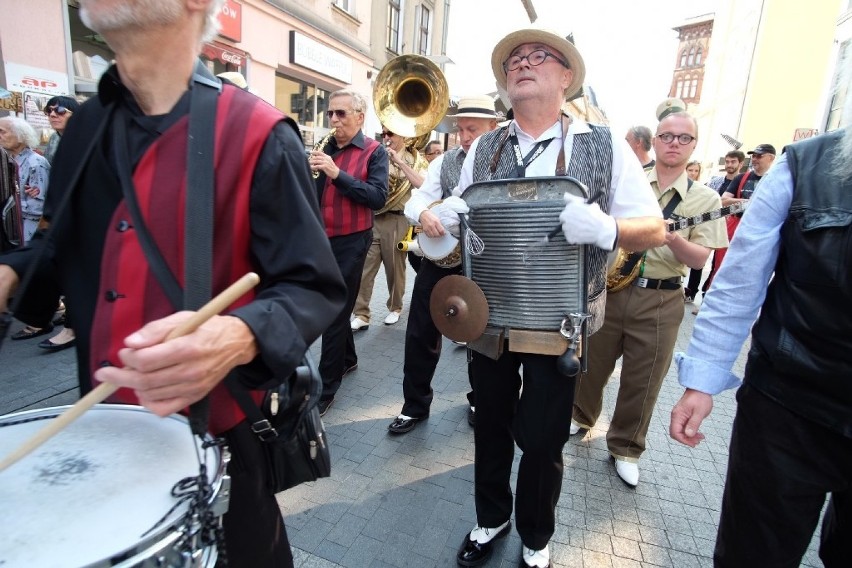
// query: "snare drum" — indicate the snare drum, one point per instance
point(89, 494)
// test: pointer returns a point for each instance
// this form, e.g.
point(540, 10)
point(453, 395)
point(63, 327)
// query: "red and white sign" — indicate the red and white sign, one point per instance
point(802, 133)
point(230, 55)
point(22, 78)
point(231, 20)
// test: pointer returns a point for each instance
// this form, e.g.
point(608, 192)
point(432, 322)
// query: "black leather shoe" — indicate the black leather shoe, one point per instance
point(471, 417)
point(324, 405)
point(403, 425)
point(53, 347)
point(473, 553)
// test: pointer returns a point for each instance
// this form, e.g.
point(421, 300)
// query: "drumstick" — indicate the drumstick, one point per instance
point(228, 296)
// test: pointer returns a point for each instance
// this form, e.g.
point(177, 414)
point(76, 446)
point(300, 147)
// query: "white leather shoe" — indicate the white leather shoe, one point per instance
point(392, 318)
point(627, 471)
point(357, 323)
point(537, 558)
point(575, 428)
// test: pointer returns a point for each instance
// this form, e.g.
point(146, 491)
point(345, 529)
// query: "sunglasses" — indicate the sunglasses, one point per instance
point(59, 110)
point(339, 112)
point(387, 134)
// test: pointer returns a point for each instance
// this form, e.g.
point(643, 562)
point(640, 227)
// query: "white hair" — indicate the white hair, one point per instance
point(145, 13)
point(22, 130)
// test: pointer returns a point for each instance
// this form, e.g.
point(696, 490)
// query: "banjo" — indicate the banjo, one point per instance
point(623, 266)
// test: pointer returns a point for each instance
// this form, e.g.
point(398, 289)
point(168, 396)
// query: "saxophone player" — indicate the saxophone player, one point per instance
point(407, 171)
point(352, 182)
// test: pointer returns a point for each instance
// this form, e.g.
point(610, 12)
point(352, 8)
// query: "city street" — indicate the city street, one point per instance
point(407, 501)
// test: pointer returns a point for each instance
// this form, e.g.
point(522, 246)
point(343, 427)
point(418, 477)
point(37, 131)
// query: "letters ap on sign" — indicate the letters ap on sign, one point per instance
point(802, 133)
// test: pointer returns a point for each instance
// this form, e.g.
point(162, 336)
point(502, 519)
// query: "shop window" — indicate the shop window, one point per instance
point(303, 102)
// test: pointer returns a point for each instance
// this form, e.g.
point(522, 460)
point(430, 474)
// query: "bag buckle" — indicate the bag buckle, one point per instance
point(264, 430)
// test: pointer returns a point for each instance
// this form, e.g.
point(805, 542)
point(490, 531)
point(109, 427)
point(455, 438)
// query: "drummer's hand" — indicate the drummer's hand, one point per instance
point(168, 376)
point(8, 284)
point(585, 223)
point(431, 225)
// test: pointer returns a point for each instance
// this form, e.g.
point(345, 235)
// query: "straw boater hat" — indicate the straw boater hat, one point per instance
point(532, 35)
point(476, 106)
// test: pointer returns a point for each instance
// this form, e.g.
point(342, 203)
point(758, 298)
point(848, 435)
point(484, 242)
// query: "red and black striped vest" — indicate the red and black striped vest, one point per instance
point(129, 294)
point(341, 215)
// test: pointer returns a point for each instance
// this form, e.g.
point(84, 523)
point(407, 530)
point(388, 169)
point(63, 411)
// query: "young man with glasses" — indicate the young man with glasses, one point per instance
point(642, 320)
point(539, 71)
point(352, 183)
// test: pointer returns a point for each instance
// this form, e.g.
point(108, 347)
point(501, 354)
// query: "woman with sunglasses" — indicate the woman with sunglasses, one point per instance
point(58, 110)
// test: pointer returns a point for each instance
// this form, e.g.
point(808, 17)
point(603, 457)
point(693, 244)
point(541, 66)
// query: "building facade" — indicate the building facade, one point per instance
point(693, 48)
point(769, 75)
point(292, 53)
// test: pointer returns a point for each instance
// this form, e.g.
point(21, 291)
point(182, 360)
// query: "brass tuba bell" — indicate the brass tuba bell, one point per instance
point(411, 95)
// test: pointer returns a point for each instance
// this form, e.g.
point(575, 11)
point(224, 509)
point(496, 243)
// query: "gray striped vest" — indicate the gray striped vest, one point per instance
point(451, 168)
point(591, 163)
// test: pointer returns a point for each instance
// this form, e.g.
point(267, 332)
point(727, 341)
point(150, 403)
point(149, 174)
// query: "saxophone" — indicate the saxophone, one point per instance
point(318, 148)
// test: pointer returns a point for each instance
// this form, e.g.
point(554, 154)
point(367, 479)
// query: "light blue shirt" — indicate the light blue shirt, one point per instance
point(739, 288)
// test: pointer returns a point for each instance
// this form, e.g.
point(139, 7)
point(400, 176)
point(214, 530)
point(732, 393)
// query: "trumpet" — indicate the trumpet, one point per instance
point(318, 148)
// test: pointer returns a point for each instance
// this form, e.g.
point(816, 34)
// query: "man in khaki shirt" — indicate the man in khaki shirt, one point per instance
point(642, 320)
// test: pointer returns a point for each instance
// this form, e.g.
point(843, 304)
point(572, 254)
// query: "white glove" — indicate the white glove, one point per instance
point(586, 224)
point(448, 213)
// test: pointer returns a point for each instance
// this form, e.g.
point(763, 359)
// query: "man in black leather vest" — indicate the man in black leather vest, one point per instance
point(792, 435)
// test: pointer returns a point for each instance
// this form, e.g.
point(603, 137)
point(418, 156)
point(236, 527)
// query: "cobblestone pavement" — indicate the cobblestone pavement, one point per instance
point(407, 501)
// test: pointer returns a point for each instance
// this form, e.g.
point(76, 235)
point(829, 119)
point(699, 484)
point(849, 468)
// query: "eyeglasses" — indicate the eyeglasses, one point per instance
point(387, 134)
point(438, 152)
point(339, 112)
point(682, 139)
point(60, 110)
point(535, 58)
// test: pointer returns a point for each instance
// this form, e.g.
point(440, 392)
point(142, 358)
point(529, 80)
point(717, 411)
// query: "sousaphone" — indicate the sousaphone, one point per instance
point(411, 96)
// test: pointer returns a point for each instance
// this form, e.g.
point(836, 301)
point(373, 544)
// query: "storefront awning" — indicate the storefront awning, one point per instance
point(224, 53)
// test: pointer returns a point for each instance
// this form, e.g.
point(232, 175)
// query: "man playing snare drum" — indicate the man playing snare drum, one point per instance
point(540, 70)
point(120, 314)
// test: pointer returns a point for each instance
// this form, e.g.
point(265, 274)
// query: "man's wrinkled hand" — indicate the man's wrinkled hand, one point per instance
point(169, 375)
point(687, 415)
point(431, 224)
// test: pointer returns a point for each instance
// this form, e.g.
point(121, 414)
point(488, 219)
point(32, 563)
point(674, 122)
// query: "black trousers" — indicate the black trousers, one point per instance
point(538, 419)
point(338, 345)
point(254, 527)
point(423, 343)
point(780, 469)
point(694, 281)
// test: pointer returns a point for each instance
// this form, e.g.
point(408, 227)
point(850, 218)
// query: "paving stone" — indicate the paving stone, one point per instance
point(407, 501)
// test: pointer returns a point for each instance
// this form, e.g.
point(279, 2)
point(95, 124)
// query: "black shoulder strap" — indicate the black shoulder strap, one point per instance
point(635, 257)
point(199, 218)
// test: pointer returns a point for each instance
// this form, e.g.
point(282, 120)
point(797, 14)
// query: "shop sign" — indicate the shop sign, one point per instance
point(309, 53)
point(22, 78)
point(231, 20)
point(802, 133)
point(234, 57)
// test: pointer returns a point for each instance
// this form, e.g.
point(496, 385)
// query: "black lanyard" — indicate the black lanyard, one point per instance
point(521, 163)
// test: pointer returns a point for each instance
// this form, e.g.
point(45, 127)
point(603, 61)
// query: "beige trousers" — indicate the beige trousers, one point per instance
point(640, 326)
point(388, 230)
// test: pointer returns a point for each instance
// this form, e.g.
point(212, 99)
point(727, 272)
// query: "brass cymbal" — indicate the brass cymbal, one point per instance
point(459, 308)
